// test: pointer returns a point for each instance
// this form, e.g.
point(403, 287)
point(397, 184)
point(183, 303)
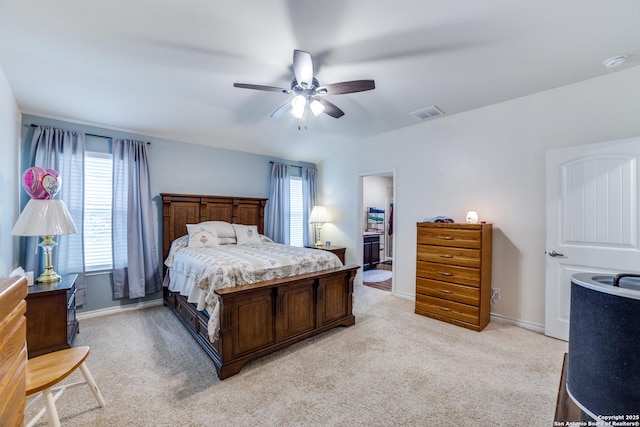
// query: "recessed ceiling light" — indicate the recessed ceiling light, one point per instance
point(615, 61)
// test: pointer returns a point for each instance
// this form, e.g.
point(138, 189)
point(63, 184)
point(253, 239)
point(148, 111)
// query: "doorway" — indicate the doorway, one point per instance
point(376, 221)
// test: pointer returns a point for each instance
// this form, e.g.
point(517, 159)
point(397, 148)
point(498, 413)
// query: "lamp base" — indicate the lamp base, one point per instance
point(319, 240)
point(48, 277)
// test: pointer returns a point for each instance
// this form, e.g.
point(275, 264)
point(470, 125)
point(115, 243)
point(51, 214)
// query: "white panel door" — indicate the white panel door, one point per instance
point(592, 219)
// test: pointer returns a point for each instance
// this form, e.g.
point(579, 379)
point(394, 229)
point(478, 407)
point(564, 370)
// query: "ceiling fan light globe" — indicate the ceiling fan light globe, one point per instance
point(298, 103)
point(316, 107)
point(297, 113)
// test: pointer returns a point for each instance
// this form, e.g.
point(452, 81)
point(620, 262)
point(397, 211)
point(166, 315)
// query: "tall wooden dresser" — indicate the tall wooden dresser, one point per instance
point(453, 273)
point(13, 351)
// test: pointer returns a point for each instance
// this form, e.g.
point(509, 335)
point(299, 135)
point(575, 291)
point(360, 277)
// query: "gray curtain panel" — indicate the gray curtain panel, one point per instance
point(62, 151)
point(278, 206)
point(136, 270)
point(309, 197)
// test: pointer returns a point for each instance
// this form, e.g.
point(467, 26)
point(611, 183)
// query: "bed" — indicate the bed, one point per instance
point(255, 319)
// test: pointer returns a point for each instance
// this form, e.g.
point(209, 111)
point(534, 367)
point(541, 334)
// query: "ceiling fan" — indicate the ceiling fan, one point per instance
point(307, 90)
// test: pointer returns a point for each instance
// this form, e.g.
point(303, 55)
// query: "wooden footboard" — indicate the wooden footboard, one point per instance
point(261, 318)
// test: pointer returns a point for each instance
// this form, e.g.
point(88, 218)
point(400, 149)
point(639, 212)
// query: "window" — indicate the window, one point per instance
point(98, 172)
point(296, 227)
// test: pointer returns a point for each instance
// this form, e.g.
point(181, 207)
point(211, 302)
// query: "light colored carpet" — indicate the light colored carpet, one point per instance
point(392, 367)
point(374, 276)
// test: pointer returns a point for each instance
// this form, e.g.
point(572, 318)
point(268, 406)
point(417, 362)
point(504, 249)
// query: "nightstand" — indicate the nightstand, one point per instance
point(338, 250)
point(51, 316)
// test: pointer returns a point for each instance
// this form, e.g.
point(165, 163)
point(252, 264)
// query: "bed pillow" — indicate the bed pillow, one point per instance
point(202, 236)
point(246, 234)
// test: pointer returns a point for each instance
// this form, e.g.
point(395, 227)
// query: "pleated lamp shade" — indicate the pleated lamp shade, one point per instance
point(44, 218)
point(319, 215)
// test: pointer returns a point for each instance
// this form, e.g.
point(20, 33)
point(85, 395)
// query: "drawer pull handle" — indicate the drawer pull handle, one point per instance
point(446, 256)
point(444, 308)
point(445, 291)
point(445, 273)
point(445, 237)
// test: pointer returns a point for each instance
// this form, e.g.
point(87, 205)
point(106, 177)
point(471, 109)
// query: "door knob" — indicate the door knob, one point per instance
point(555, 254)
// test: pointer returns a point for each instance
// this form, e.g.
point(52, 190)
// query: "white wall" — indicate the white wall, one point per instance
point(491, 160)
point(9, 175)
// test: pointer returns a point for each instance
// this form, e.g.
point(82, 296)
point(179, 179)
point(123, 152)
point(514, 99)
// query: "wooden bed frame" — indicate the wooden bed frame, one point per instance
point(259, 318)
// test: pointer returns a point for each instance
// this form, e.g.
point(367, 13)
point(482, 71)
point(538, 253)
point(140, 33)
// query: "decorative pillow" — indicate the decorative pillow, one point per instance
point(220, 228)
point(246, 234)
point(202, 236)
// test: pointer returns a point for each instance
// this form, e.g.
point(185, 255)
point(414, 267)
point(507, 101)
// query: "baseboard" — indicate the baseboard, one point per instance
point(406, 296)
point(521, 323)
point(118, 309)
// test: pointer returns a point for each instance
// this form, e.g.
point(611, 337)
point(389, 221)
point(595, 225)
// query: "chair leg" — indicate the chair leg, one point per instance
point(50, 404)
point(92, 384)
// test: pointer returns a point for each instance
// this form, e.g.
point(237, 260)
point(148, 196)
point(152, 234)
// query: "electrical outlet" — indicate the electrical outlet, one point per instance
point(495, 294)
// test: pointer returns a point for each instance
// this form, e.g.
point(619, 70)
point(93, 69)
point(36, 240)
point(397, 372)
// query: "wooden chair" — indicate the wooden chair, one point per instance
point(44, 372)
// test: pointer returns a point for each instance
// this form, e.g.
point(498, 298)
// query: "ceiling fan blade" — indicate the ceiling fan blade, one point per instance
point(260, 87)
point(303, 68)
point(330, 108)
point(284, 109)
point(346, 87)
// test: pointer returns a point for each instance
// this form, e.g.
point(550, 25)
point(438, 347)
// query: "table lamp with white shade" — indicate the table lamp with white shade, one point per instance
point(318, 217)
point(46, 218)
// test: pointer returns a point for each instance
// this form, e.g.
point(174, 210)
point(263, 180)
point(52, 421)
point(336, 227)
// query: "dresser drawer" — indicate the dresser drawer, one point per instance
point(448, 255)
point(453, 237)
point(449, 309)
point(448, 273)
point(449, 291)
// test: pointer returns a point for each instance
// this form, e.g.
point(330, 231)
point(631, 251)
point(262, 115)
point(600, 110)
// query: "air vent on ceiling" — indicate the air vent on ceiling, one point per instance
point(428, 113)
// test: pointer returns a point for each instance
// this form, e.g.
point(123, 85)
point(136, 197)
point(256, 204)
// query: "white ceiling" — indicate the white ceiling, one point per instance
point(166, 68)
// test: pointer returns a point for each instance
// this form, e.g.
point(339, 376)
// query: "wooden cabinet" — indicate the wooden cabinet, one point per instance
point(371, 251)
point(338, 250)
point(51, 316)
point(453, 273)
point(13, 351)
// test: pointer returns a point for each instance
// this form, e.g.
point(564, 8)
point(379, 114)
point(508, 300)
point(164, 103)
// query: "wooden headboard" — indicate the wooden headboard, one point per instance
point(178, 210)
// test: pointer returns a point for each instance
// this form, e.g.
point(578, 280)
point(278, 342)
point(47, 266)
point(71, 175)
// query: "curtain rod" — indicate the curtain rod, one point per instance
point(295, 166)
point(86, 133)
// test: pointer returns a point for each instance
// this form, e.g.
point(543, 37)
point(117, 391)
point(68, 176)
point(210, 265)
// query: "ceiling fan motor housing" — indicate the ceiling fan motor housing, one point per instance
point(299, 90)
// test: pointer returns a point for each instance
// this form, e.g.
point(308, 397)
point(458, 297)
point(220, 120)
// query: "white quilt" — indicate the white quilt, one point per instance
point(197, 272)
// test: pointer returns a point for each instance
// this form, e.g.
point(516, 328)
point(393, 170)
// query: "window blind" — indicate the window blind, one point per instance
point(295, 213)
point(97, 211)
